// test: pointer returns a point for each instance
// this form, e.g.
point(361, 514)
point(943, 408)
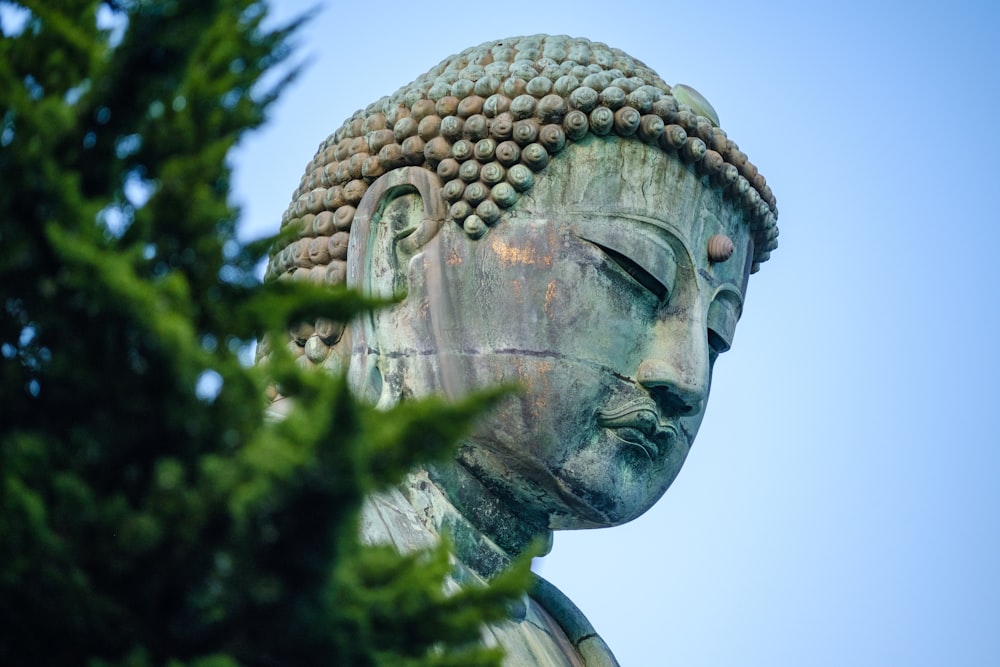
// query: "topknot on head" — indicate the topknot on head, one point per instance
point(487, 120)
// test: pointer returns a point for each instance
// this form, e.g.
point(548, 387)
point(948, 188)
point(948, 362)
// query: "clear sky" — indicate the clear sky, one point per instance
point(840, 506)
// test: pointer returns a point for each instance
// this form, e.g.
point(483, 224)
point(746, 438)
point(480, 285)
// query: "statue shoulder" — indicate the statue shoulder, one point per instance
point(388, 517)
point(547, 630)
point(574, 624)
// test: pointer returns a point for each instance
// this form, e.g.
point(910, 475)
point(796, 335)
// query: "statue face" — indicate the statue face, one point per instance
point(595, 294)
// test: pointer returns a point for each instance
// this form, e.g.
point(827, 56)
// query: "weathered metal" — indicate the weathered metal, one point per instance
point(558, 217)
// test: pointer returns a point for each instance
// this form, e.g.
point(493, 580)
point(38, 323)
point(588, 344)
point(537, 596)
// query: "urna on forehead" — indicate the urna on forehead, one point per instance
point(488, 121)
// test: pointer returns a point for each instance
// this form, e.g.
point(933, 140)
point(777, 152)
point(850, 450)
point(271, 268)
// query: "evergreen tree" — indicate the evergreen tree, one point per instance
point(149, 513)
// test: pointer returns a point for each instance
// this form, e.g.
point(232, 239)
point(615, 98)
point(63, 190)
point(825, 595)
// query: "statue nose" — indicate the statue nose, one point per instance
point(678, 391)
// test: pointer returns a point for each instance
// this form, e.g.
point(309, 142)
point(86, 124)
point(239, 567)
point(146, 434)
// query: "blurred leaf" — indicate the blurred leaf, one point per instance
point(146, 521)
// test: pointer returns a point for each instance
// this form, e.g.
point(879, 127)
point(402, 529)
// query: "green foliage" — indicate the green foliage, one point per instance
point(149, 516)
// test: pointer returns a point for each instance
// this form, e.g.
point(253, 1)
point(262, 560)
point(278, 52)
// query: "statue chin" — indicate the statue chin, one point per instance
point(586, 478)
point(614, 482)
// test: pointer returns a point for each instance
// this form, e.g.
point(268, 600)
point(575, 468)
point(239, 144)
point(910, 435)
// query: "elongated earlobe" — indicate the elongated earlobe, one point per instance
point(400, 213)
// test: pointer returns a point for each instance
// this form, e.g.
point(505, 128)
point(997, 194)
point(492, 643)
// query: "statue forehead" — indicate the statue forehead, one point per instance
point(631, 188)
point(626, 180)
point(488, 121)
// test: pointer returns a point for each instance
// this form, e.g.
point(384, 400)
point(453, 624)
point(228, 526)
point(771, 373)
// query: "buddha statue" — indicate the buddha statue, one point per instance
point(558, 218)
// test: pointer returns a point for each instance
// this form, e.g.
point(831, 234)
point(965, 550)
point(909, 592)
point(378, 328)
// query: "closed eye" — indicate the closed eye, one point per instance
point(717, 343)
point(723, 313)
point(636, 272)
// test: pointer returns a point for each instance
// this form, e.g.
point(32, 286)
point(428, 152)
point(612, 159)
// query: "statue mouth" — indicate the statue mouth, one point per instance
point(637, 423)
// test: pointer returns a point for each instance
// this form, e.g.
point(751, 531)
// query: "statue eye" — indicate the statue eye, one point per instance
point(723, 313)
point(646, 258)
point(717, 342)
point(636, 272)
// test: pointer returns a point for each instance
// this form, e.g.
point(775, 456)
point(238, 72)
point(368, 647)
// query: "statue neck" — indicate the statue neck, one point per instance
point(486, 531)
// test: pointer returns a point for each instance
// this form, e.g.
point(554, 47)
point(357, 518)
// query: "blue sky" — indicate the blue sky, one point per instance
point(840, 505)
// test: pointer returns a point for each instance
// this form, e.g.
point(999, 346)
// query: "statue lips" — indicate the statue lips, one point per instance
point(638, 424)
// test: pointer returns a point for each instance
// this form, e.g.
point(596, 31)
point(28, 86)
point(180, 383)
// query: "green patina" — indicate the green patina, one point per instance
point(604, 288)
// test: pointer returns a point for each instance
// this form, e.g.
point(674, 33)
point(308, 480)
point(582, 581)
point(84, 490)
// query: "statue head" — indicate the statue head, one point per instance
point(560, 218)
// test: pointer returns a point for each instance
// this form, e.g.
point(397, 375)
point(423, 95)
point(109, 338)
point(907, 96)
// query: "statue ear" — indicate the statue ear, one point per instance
point(400, 212)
